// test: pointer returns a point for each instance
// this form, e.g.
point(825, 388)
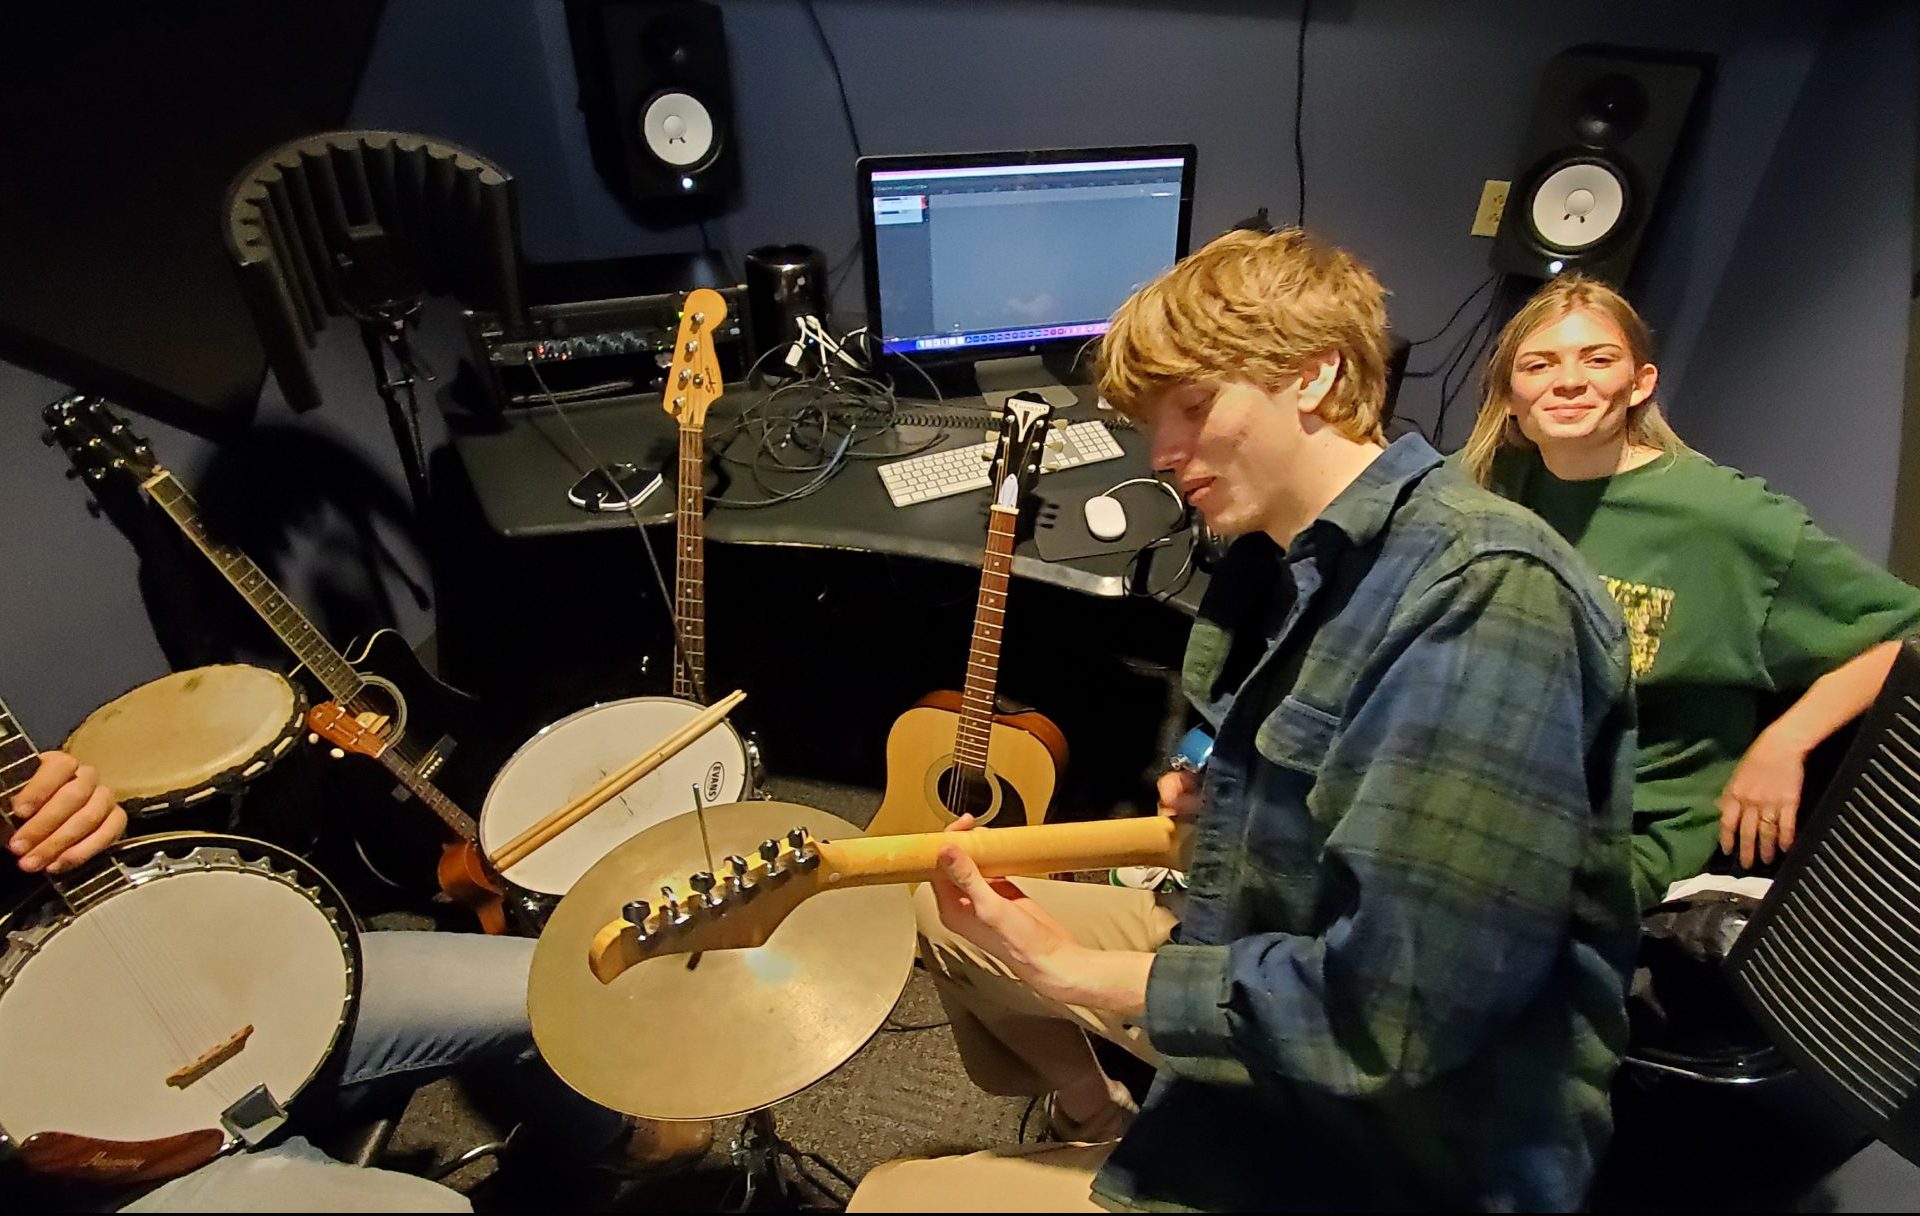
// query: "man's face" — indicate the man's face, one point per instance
point(1226, 446)
point(1574, 380)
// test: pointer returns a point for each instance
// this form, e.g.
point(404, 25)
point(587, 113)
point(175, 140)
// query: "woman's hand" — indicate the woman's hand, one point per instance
point(1760, 807)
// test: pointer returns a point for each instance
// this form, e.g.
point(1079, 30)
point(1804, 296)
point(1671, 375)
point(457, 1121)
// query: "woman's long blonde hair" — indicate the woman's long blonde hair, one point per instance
point(1494, 428)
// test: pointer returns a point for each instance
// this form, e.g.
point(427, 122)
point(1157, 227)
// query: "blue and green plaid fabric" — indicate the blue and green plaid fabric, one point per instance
point(1400, 975)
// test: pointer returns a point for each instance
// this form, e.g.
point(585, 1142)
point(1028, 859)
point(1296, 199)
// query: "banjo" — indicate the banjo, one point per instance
point(167, 1002)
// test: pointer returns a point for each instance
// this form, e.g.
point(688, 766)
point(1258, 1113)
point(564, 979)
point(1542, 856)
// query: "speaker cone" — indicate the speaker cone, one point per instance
point(1577, 206)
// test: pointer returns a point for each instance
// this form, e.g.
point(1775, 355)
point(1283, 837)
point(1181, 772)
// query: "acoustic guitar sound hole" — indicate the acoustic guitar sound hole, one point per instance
point(963, 792)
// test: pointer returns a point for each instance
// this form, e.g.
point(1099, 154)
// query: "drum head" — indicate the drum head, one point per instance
point(180, 731)
point(575, 754)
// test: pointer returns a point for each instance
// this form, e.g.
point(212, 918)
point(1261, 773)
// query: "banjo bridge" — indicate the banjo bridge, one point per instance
point(214, 1058)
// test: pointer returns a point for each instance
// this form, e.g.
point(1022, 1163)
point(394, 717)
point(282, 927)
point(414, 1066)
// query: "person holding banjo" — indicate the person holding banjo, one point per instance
point(430, 1003)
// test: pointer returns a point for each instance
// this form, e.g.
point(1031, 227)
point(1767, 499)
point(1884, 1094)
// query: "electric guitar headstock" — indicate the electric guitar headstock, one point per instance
point(1022, 443)
point(98, 442)
point(693, 379)
point(735, 910)
point(744, 906)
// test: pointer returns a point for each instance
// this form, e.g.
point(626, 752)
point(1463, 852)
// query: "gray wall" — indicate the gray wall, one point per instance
point(1779, 272)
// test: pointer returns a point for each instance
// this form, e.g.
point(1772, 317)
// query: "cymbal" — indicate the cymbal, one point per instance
point(740, 1029)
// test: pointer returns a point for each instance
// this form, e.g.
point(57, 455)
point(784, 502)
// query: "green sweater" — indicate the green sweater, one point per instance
point(1730, 593)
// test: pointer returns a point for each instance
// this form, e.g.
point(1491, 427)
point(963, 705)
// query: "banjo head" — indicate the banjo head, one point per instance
point(195, 968)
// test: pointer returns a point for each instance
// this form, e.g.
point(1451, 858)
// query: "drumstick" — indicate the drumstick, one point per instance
point(522, 846)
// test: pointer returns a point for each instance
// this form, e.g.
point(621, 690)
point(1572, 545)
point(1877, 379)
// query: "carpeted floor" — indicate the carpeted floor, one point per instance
point(904, 1094)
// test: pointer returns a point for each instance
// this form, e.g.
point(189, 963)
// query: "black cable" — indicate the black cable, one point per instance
point(840, 82)
point(1021, 1136)
point(897, 1028)
point(1458, 309)
point(1299, 105)
point(1451, 358)
point(667, 601)
point(1447, 394)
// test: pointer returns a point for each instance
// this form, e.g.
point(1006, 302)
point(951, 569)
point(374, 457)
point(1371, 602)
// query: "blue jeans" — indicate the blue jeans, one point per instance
point(429, 1003)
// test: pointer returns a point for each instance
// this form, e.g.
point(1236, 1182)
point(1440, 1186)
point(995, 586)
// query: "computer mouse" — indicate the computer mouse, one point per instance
point(1106, 518)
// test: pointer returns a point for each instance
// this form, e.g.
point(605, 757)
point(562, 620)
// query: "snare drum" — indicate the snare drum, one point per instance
point(571, 756)
point(175, 742)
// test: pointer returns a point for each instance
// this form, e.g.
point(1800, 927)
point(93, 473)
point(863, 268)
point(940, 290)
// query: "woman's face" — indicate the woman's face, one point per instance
point(1574, 380)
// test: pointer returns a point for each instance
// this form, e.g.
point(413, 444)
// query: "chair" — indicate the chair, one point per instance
point(1830, 964)
point(1797, 1035)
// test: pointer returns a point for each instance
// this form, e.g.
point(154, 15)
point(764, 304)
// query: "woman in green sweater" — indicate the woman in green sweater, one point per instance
point(1730, 591)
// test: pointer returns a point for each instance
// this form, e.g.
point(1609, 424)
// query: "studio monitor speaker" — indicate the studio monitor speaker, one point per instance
point(1604, 133)
point(658, 100)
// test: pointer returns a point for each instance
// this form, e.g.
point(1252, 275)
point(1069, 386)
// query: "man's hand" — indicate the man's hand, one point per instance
point(1179, 791)
point(998, 917)
point(69, 817)
point(1761, 804)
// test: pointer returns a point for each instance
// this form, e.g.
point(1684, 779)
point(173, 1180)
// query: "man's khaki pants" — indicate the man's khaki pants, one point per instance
point(1015, 1042)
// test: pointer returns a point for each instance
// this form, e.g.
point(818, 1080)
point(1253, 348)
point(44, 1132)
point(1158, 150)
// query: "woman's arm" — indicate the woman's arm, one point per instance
point(1759, 809)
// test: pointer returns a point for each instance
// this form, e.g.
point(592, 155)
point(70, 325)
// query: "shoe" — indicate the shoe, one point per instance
point(1161, 880)
point(658, 1146)
point(1110, 1124)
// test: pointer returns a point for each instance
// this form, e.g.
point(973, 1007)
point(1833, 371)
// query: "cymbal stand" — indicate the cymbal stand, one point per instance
point(758, 1152)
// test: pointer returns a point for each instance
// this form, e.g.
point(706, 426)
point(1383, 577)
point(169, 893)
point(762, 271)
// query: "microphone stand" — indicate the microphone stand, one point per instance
point(383, 330)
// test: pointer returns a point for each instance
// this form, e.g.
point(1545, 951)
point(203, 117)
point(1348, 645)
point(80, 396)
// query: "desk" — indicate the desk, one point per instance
point(520, 472)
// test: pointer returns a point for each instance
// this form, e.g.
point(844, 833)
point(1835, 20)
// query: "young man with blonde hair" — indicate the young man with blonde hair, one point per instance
point(1398, 976)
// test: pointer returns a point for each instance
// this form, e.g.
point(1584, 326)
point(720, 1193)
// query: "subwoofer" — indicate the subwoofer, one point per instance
point(657, 96)
point(1603, 136)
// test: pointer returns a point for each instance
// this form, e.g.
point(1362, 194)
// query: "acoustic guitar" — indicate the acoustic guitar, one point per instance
point(953, 753)
point(381, 702)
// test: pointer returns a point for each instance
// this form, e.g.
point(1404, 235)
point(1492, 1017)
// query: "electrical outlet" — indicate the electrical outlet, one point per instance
point(1493, 202)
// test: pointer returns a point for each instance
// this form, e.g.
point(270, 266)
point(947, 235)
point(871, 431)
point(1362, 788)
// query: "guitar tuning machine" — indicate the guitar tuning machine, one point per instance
point(636, 913)
point(703, 884)
point(671, 910)
point(770, 853)
point(805, 856)
point(738, 882)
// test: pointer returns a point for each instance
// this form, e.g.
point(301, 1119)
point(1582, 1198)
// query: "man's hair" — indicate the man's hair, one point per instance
point(1494, 427)
point(1254, 307)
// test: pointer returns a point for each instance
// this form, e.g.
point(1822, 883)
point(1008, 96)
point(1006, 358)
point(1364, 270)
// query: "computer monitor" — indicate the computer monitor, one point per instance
point(987, 256)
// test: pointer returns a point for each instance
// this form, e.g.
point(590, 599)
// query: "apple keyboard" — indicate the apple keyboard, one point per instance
point(957, 470)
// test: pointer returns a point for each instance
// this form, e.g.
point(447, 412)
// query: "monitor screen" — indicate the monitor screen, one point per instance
point(988, 254)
